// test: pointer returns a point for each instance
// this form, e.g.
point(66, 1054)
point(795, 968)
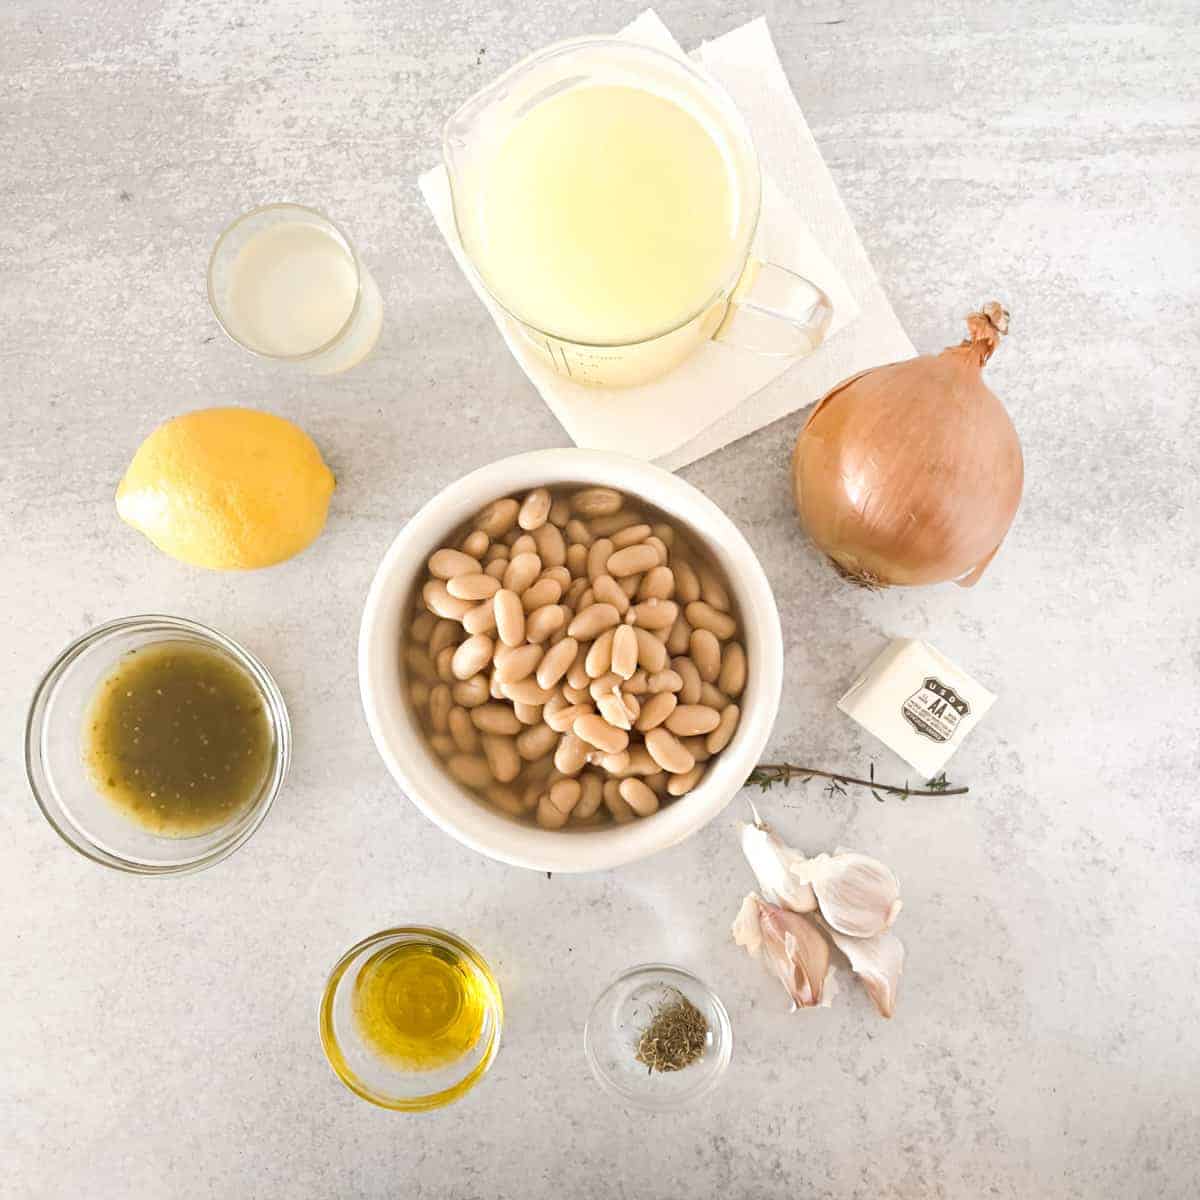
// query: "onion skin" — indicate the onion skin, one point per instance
point(911, 473)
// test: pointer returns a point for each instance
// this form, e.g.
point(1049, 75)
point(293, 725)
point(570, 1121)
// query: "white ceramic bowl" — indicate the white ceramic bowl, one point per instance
point(402, 743)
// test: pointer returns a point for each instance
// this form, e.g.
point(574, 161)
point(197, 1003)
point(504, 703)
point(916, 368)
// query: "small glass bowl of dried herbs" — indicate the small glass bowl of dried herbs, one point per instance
point(658, 1037)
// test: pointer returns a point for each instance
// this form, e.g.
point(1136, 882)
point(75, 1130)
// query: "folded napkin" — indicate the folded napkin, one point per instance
point(721, 393)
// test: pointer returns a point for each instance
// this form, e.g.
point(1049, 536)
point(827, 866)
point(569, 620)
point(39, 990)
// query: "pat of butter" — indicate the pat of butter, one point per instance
point(918, 703)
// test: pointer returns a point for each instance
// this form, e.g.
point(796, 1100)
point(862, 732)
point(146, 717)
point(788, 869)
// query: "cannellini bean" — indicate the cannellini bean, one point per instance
point(578, 534)
point(422, 626)
point(480, 619)
point(703, 616)
point(440, 703)
point(577, 676)
point(652, 654)
point(722, 735)
point(535, 510)
point(510, 617)
point(696, 748)
point(420, 664)
point(665, 533)
point(553, 665)
point(471, 693)
point(653, 614)
point(599, 657)
point(636, 684)
point(473, 587)
point(668, 751)
point(502, 758)
point(608, 591)
point(687, 582)
point(599, 553)
point(706, 654)
point(472, 656)
point(606, 526)
point(576, 695)
point(574, 592)
point(475, 544)
point(620, 811)
point(605, 685)
point(443, 746)
point(562, 719)
point(462, 730)
point(630, 585)
point(447, 563)
point(686, 670)
point(470, 769)
point(633, 560)
point(550, 545)
point(526, 691)
point(419, 690)
point(665, 681)
point(690, 719)
point(519, 663)
point(713, 697)
point(656, 710)
point(444, 665)
point(596, 731)
point(571, 755)
point(560, 574)
point(536, 742)
point(596, 502)
point(639, 797)
point(591, 796)
point(544, 621)
point(712, 590)
point(565, 794)
point(576, 561)
point(528, 714)
point(640, 761)
point(630, 536)
point(521, 571)
point(496, 552)
point(680, 785)
point(612, 709)
point(560, 512)
point(657, 584)
point(615, 764)
point(593, 621)
point(541, 593)
point(494, 717)
point(549, 817)
point(438, 600)
point(624, 657)
point(657, 783)
point(495, 570)
point(680, 636)
point(732, 679)
point(498, 518)
point(445, 633)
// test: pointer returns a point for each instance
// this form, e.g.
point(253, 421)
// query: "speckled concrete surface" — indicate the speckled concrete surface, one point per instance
point(158, 1039)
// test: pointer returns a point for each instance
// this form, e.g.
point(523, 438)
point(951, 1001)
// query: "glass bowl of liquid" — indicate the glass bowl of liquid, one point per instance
point(411, 1018)
point(156, 745)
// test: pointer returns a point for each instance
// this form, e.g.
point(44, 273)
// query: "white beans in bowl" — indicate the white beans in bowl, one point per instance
point(567, 639)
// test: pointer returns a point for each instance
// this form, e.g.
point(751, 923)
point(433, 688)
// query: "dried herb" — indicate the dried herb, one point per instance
point(766, 775)
point(675, 1037)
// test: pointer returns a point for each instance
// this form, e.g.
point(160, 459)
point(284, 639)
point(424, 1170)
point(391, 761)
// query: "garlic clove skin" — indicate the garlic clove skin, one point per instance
point(879, 962)
point(784, 875)
point(857, 895)
point(792, 945)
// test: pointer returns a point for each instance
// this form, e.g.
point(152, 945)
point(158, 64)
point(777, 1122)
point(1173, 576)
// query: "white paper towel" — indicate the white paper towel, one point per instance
point(721, 393)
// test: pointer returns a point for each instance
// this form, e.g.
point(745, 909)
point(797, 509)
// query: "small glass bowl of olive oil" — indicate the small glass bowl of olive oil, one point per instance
point(156, 745)
point(411, 1018)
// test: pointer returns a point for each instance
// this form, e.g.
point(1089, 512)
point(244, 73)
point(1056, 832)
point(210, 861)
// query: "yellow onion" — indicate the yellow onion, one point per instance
point(911, 473)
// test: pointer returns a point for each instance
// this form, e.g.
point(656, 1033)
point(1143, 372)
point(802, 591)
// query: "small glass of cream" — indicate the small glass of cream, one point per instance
point(285, 282)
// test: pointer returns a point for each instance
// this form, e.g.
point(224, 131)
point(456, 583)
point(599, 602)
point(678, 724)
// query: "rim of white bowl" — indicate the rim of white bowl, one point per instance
point(402, 745)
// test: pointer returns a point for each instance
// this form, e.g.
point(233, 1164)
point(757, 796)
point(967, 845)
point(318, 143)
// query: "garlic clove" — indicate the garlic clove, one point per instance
point(784, 875)
point(792, 945)
point(857, 895)
point(878, 961)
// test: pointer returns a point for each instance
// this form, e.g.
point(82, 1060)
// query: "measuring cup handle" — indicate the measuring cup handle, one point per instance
point(775, 312)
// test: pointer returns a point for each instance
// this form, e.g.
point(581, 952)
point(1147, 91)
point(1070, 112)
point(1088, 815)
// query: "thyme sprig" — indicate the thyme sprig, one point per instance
point(767, 775)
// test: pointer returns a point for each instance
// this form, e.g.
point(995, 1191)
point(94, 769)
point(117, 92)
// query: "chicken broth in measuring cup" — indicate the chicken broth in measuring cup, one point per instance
point(574, 657)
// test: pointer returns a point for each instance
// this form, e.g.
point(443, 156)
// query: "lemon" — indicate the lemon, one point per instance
point(227, 488)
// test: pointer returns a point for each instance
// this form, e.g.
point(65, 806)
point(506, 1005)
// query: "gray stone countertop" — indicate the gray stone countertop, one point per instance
point(158, 1038)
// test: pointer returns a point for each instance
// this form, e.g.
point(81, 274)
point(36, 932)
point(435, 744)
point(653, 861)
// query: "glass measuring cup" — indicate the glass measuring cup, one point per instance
point(757, 305)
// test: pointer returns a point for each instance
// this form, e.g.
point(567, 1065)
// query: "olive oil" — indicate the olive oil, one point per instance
point(420, 1006)
point(177, 737)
